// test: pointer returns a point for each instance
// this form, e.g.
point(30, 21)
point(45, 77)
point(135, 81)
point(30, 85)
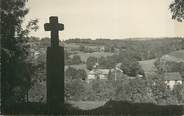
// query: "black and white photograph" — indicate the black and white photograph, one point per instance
point(92, 57)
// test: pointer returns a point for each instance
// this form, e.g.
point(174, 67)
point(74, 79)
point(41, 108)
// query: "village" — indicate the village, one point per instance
point(92, 65)
point(170, 78)
point(92, 57)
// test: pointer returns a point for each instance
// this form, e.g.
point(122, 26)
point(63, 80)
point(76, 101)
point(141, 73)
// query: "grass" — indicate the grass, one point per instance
point(125, 108)
point(87, 105)
point(148, 65)
point(107, 108)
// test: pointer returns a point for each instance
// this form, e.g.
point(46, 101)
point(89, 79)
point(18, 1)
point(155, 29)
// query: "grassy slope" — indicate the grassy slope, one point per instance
point(87, 105)
point(148, 65)
point(127, 109)
point(178, 54)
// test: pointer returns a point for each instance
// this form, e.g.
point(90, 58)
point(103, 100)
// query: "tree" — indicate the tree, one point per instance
point(178, 92)
point(76, 59)
point(160, 92)
point(81, 74)
point(131, 67)
point(74, 90)
point(72, 73)
point(38, 75)
point(177, 10)
point(102, 61)
point(108, 62)
point(135, 90)
point(82, 48)
point(14, 49)
point(91, 62)
point(67, 59)
point(111, 61)
point(102, 90)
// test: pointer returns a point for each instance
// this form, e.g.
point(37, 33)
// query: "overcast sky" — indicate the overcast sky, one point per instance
point(106, 18)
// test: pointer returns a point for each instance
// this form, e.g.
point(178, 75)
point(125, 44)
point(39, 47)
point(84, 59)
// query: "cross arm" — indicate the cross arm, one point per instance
point(47, 27)
point(61, 26)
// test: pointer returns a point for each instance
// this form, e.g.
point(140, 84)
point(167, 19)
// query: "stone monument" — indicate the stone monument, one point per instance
point(55, 68)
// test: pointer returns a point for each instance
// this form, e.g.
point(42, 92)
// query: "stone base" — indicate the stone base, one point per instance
point(55, 79)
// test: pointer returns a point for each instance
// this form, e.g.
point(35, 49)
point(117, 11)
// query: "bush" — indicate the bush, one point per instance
point(133, 90)
point(74, 90)
point(102, 90)
point(131, 67)
point(72, 73)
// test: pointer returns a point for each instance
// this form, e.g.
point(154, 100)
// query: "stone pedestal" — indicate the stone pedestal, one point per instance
point(55, 80)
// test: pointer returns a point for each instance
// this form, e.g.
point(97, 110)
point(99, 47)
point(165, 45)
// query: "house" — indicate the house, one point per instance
point(91, 75)
point(101, 48)
point(101, 74)
point(172, 79)
point(116, 73)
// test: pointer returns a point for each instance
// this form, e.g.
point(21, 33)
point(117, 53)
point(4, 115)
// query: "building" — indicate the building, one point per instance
point(101, 74)
point(116, 73)
point(172, 79)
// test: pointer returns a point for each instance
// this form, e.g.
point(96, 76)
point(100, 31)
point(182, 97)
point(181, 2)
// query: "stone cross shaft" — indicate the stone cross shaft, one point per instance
point(54, 27)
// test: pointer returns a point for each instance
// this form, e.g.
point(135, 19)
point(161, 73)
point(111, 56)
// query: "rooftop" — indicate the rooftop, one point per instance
point(100, 71)
point(172, 76)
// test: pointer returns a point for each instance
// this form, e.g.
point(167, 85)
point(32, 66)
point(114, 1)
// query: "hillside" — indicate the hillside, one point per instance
point(178, 54)
point(148, 65)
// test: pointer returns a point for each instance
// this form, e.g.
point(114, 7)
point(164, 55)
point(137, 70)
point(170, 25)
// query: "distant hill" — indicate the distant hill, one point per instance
point(85, 56)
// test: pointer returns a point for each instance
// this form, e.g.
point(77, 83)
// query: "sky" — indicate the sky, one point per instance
point(113, 19)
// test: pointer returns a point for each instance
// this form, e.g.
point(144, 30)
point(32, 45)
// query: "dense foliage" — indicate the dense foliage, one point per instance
point(76, 60)
point(72, 73)
point(16, 71)
point(146, 48)
point(169, 66)
point(137, 91)
point(177, 10)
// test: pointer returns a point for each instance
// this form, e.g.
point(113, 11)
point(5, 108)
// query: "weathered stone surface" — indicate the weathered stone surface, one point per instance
point(55, 79)
point(54, 27)
point(55, 69)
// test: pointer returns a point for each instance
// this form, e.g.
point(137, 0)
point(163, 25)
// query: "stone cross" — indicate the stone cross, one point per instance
point(55, 69)
point(54, 27)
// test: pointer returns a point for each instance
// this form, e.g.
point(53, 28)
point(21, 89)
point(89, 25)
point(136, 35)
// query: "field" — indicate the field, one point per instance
point(84, 56)
point(148, 65)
